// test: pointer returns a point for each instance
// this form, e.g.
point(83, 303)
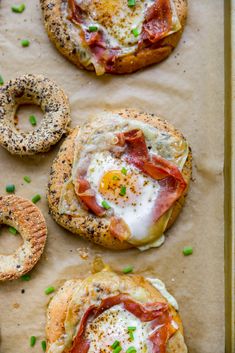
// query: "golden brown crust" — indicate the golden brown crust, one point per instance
point(59, 34)
point(29, 221)
point(89, 226)
point(63, 302)
point(39, 90)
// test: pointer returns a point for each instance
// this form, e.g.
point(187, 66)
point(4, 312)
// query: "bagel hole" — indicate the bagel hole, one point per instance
point(9, 242)
point(23, 114)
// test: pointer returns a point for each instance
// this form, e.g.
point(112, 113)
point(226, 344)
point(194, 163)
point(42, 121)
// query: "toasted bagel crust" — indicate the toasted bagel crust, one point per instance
point(112, 283)
point(59, 34)
point(29, 221)
point(39, 90)
point(90, 226)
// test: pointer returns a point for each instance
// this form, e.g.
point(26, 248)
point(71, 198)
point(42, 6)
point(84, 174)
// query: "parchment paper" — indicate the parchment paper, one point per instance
point(187, 89)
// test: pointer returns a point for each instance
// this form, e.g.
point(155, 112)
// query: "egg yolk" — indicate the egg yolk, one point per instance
point(120, 188)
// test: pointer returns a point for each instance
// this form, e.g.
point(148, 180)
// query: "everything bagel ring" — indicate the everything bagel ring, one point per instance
point(29, 221)
point(33, 89)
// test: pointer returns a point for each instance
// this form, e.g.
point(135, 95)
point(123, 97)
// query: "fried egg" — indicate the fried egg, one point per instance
point(127, 191)
point(130, 194)
point(111, 326)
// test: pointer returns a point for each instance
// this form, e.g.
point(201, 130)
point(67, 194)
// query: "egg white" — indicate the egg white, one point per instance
point(139, 217)
point(112, 325)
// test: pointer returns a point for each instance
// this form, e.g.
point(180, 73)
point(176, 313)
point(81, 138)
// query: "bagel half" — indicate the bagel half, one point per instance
point(23, 215)
point(86, 224)
point(69, 308)
point(65, 34)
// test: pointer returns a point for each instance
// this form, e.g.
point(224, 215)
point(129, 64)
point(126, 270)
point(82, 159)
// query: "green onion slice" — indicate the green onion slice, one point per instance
point(18, 8)
point(115, 344)
point(105, 205)
point(32, 341)
point(131, 2)
point(12, 230)
point(25, 43)
point(187, 250)
point(26, 278)
point(117, 349)
point(27, 179)
point(1, 81)
point(49, 290)
point(135, 31)
point(93, 28)
point(131, 350)
point(33, 120)
point(10, 188)
point(124, 171)
point(36, 198)
point(128, 269)
point(44, 346)
point(123, 191)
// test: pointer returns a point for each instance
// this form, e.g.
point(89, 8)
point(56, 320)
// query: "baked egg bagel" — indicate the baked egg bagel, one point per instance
point(114, 36)
point(120, 180)
point(107, 312)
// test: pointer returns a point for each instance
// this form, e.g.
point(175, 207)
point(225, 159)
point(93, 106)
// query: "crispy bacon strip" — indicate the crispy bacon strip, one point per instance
point(158, 313)
point(87, 196)
point(158, 21)
point(168, 175)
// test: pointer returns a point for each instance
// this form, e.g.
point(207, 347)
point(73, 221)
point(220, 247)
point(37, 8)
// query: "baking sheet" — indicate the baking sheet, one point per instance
point(188, 90)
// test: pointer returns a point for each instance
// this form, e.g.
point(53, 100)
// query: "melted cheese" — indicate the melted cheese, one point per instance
point(141, 190)
point(160, 286)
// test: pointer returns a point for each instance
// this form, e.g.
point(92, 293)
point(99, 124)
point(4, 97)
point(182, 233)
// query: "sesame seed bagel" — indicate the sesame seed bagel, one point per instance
point(23, 215)
point(86, 224)
point(63, 33)
point(74, 298)
point(39, 90)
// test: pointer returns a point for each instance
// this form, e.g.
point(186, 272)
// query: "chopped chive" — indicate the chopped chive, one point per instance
point(131, 336)
point(131, 350)
point(124, 171)
point(1, 81)
point(93, 28)
point(36, 198)
point(115, 177)
point(49, 290)
point(10, 188)
point(44, 346)
point(122, 191)
point(25, 43)
point(32, 341)
point(12, 230)
point(131, 328)
point(105, 205)
point(130, 331)
point(128, 269)
point(18, 8)
point(26, 278)
point(131, 2)
point(187, 250)
point(135, 31)
point(117, 349)
point(33, 120)
point(115, 344)
point(27, 179)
